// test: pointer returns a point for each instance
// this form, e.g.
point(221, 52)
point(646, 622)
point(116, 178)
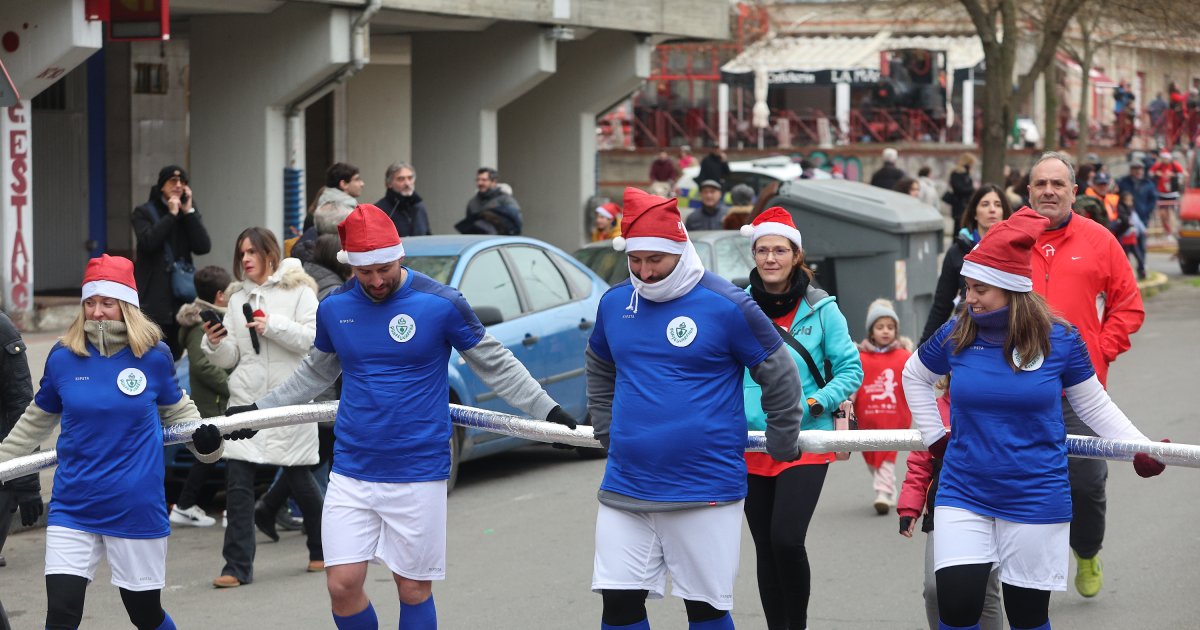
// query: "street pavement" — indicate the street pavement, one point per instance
point(521, 531)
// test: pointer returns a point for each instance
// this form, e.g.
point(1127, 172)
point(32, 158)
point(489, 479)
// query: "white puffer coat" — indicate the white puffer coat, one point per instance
point(289, 298)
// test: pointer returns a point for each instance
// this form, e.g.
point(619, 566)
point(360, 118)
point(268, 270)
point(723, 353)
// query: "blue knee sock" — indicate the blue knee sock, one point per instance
point(166, 624)
point(423, 616)
point(365, 619)
point(721, 623)
point(641, 625)
point(942, 626)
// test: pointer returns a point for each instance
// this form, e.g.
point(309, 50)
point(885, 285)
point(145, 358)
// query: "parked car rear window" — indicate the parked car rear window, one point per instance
point(607, 262)
point(439, 268)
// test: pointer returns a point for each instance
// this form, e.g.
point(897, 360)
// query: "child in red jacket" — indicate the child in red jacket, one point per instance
point(880, 403)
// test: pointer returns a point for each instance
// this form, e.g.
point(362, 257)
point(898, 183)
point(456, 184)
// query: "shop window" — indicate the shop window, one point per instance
point(151, 78)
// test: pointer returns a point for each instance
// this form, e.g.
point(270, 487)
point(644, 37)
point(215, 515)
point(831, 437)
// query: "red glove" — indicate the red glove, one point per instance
point(938, 448)
point(259, 313)
point(1147, 466)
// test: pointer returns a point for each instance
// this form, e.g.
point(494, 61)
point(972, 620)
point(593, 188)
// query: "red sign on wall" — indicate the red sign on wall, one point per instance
point(131, 20)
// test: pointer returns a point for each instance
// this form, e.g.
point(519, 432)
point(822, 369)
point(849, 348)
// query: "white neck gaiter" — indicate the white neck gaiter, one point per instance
point(683, 279)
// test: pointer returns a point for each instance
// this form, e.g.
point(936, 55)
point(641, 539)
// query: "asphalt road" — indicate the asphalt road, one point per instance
point(521, 527)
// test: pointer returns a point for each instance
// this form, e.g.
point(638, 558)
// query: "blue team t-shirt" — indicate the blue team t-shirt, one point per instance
point(110, 445)
point(1007, 456)
point(393, 422)
point(678, 429)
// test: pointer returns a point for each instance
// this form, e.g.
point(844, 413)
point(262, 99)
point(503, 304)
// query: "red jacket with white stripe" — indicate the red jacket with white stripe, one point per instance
point(1085, 276)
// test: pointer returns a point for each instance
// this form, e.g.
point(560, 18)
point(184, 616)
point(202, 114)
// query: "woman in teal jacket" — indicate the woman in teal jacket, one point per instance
point(781, 496)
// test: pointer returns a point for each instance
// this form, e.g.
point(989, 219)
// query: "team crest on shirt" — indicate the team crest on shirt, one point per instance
point(131, 381)
point(402, 328)
point(681, 331)
point(1033, 364)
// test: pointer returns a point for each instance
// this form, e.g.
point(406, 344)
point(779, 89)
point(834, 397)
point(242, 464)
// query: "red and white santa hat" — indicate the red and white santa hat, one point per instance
point(773, 220)
point(110, 276)
point(1002, 258)
point(609, 210)
point(368, 238)
point(650, 223)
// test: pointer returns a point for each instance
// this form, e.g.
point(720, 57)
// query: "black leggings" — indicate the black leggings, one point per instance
point(65, 595)
point(961, 592)
point(778, 510)
point(625, 608)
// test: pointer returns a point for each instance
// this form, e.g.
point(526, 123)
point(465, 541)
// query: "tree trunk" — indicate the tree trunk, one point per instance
point(1050, 127)
point(997, 121)
point(1085, 93)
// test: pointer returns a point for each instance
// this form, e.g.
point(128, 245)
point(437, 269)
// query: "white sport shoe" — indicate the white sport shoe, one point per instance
point(882, 503)
point(193, 516)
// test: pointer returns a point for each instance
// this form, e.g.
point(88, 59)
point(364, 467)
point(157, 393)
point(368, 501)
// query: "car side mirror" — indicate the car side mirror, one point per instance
point(488, 315)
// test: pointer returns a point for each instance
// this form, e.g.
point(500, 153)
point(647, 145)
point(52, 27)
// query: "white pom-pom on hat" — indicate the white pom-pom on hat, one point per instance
point(747, 231)
point(618, 243)
point(343, 257)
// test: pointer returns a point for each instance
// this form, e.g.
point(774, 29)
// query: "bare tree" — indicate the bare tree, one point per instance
point(1083, 52)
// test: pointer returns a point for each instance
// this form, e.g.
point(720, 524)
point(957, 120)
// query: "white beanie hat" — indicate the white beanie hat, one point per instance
point(880, 308)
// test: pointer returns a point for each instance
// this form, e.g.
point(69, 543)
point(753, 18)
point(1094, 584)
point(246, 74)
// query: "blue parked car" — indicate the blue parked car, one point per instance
point(532, 297)
point(536, 300)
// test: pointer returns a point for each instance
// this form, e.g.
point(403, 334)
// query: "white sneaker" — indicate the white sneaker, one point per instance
point(193, 516)
point(882, 503)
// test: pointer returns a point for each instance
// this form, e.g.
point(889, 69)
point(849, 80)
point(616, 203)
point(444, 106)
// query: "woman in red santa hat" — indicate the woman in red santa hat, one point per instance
point(1004, 498)
point(782, 496)
point(110, 384)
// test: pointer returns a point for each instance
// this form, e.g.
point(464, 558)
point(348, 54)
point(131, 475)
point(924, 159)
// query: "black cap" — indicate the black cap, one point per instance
point(168, 172)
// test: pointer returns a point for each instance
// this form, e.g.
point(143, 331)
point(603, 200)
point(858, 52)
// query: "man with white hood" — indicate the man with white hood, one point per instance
point(664, 368)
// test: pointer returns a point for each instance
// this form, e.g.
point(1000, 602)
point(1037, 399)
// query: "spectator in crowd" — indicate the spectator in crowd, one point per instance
point(781, 497)
point(879, 403)
point(711, 213)
point(908, 186)
point(1012, 187)
point(169, 232)
point(714, 167)
point(491, 210)
point(325, 221)
point(929, 193)
point(1106, 280)
point(663, 170)
point(343, 186)
point(988, 206)
point(807, 169)
point(23, 494)
point(962, 186)
point(1156, 109)
point(889, 173)
point(262, 351)
point(1145, 199)
point(742, 197)
point(686, 158)
point(401, 202)
point(1168, 176)
point(607, 222)
point(1127, 227)
point(208, 384)
point(107, 496)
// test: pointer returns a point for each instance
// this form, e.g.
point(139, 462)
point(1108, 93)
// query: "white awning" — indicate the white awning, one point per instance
point(826, 60)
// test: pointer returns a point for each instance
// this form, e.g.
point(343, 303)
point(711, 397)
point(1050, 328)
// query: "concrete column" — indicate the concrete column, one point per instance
point(379, 114)
point(245, 70)
point(461, 80)
point(548, 136)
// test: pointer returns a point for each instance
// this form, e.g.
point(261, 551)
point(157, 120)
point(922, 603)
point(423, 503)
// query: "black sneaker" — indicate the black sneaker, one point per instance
point(285, 521)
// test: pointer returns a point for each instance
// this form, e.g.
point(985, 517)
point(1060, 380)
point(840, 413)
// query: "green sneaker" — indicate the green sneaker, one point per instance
point(1089, 575)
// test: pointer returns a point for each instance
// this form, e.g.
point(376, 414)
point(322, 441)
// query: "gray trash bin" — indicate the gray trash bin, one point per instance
point(864, 243)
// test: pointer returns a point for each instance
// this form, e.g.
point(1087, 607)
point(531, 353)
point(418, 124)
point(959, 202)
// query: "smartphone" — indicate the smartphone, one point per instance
point(183, 198)
point(211, 317)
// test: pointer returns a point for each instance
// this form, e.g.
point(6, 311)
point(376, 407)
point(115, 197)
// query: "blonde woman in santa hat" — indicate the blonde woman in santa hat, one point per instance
point(1004, 498)
point(109, 384)
point(665, 365)
point(608, 222)
point(263, 350)
point(782, 496)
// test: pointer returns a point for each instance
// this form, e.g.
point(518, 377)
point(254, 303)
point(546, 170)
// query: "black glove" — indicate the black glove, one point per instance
point(207, 439)
point(240, 434)
point(905, 523)
point(31, 506)
point(558, 416)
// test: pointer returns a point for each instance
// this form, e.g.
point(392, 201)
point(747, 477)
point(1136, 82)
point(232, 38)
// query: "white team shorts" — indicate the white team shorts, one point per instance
point(699, 548)
point(138, 564)
point(1030, 555)
point(402, 525)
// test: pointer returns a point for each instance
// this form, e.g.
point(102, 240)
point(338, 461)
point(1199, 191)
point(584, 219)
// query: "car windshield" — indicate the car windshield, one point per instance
point(439, 268)
point(607, 262)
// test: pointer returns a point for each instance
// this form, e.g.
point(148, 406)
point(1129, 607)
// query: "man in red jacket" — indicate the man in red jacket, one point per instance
point(1085, 276)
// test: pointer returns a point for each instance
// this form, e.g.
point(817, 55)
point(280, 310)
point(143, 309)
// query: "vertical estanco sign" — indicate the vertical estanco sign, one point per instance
point(16, 216)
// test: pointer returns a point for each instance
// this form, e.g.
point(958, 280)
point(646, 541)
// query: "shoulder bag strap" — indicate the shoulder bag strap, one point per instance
point(803, 352)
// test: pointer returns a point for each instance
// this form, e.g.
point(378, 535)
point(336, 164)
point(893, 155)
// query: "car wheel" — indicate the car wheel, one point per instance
point(1189, 266)
point(456, 439)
